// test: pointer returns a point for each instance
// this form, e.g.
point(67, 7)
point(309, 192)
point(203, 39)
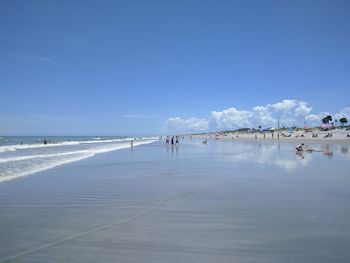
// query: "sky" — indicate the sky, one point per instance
point(160, 67)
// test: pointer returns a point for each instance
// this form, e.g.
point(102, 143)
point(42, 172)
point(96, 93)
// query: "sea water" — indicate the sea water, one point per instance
point(227, 201)
point(20, 156)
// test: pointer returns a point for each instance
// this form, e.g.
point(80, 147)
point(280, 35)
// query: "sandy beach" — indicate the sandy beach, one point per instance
point(238, 201)
point(313, 136)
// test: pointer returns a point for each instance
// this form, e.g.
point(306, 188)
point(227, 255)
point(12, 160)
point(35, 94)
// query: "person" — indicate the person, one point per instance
point(264, 135)
point(278, 135)
point(177, 140)
point(132, 143)
point(172, 140)
point(167, 140)
point(45, 141)
point(205, 142)
point(299, 147)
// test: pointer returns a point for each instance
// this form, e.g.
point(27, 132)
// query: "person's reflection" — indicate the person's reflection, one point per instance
point(300, 154)
point(131, 151)
point(344, 149)
point(167, 150)
point(172, 152)
point(327, 150)
point(177, 152)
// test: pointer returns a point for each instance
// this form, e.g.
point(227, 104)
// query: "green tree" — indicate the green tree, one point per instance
point(343, 121)
point(327, 119)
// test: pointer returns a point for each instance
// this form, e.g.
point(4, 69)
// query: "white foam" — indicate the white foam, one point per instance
point(51, 163)
point(16, 174)
point(9, 148)
point(29, 157)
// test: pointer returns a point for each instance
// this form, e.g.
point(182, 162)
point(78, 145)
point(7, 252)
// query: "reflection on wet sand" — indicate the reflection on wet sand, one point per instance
point(344, 149)
point(225, 202)
point(278, 154)
point(174, 149)
point(327, 150)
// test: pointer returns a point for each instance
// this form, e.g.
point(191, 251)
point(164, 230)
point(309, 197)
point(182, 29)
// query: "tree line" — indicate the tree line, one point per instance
point(328, 119)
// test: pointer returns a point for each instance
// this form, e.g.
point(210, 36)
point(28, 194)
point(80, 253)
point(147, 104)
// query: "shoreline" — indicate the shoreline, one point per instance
point(302, 139)
point(337, 136)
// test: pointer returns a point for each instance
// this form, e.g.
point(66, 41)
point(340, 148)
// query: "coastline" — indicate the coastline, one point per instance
point(338, 136)
point(22, 158)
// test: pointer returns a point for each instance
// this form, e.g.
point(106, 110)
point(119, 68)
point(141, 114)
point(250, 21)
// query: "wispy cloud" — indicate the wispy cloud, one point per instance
point(38, 59)
point(286, 112)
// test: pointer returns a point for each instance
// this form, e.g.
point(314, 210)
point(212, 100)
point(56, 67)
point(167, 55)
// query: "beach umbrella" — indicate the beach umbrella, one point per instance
point(326, 126)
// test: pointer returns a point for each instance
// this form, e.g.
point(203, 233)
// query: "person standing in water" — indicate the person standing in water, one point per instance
point(172, 140)
point(177, 140)
point(131, 143)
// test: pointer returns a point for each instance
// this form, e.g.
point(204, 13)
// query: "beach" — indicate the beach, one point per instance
point(315, 135)
point(228, 201)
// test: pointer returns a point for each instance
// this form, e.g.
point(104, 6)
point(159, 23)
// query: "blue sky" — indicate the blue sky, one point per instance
point(151, 67)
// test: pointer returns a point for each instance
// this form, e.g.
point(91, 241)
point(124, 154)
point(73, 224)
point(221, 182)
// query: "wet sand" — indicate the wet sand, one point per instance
point(239, 201)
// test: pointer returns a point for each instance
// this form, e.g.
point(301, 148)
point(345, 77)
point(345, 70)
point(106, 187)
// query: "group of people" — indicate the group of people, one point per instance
point(173, 140)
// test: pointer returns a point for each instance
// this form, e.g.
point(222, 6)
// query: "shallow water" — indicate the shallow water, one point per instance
point(229, 201)
point(21, 156)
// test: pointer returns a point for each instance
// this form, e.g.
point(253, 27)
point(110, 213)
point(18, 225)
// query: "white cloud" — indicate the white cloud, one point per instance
point(313, 117)
point(303, 109)
point(343, 113)
point(179, 125)
point(284, 105)
point(229, 118)
point(287, 113)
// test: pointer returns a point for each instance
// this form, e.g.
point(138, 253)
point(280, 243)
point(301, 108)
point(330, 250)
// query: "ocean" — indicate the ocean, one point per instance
point(25, 155)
